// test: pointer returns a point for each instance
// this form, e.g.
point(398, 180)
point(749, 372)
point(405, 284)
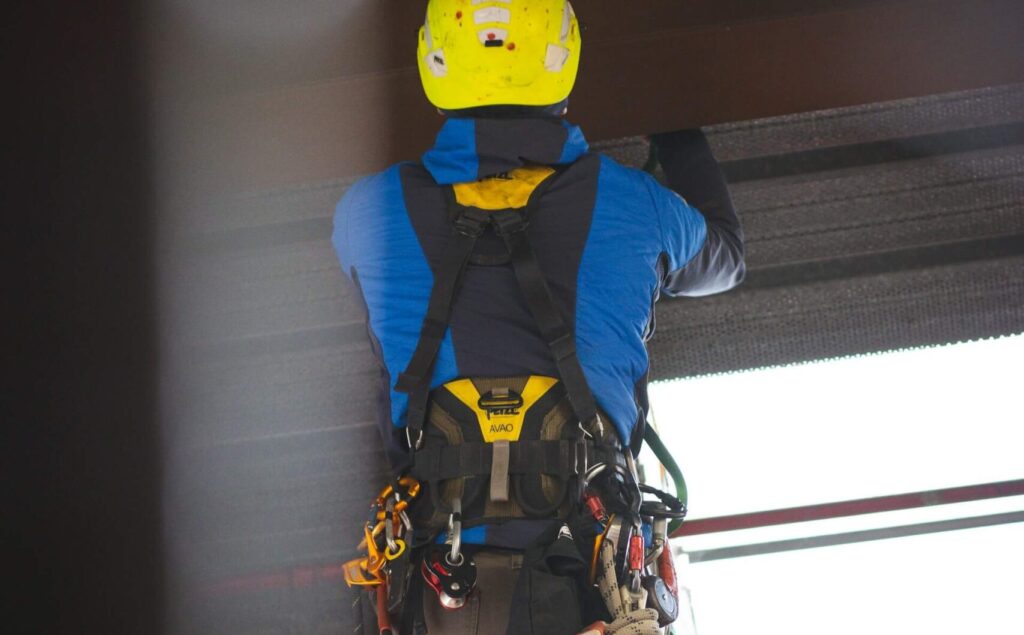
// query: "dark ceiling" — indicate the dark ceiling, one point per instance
point(273, 95)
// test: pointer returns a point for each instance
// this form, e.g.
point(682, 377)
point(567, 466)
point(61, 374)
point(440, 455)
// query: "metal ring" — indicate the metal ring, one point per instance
point(634, 584)
point(454, 561)
point(396, 552)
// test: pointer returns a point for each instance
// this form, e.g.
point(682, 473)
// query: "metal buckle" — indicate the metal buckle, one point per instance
point(598, 426)
point(508, 223)
point(580, 447)
point(408, 439)
point(470, 225)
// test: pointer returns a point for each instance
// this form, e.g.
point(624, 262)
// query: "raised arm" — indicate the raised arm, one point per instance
point(692, 171)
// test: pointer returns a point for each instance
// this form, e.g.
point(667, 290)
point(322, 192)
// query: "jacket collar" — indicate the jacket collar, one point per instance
point(471, 149)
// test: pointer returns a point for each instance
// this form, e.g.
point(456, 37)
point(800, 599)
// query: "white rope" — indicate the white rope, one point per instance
point(625, 622)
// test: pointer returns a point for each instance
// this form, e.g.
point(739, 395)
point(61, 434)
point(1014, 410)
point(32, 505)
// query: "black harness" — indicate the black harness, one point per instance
point(585, 455)
point(468, 224)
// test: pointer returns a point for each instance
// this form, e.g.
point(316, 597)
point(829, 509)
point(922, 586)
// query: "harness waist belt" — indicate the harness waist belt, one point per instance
point(562, 458)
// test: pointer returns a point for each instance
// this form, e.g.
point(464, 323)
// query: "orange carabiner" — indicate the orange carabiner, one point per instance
point(356, 574)
point(381, 534)
point(412, 490)
point(375, 559)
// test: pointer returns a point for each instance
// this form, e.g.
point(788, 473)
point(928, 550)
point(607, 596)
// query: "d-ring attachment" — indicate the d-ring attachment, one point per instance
point(393, 554)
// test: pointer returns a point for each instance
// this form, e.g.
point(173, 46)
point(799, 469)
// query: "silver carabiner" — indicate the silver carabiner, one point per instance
point(389, 526)
point(598, 426)
point(454, 557)
point(413, 445)
point(635, 485)
point(593, 471)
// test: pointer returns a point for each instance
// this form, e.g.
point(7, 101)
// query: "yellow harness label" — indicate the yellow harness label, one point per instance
point(501, 412)
point(510, 190)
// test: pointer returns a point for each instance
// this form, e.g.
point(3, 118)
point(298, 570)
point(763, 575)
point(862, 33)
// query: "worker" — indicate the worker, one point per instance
point(509, 278)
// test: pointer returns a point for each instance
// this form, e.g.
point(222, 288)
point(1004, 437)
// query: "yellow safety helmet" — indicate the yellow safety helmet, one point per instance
point(498, 52)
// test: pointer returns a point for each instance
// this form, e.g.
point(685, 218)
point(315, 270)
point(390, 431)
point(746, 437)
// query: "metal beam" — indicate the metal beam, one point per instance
point(852, 537)
point(858, 507)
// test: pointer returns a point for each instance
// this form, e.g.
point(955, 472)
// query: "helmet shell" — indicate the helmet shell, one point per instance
point(476, 53)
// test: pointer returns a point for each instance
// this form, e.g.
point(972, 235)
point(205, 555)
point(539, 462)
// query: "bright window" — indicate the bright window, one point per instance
point(853, 428)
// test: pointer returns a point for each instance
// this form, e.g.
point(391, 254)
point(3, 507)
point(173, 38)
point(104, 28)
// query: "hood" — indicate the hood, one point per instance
point(471, 149)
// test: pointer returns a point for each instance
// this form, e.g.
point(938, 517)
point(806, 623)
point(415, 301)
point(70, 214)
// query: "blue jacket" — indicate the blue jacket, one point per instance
point(610, 239)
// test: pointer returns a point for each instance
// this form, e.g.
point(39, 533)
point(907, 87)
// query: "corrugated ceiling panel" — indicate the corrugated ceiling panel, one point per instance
point(845, 316)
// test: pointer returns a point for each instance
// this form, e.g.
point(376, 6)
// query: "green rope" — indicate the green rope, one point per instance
point(667, 460)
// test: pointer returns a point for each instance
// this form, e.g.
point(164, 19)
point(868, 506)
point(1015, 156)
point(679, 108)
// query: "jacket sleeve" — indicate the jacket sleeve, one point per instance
point(356, 204)
point(692, 172)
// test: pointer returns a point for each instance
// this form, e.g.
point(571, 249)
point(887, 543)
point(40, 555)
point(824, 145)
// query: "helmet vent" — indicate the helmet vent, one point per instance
point(436, 63)
point(556, 58)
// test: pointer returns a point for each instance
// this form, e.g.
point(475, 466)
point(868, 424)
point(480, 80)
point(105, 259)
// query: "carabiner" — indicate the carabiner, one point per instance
point(389, 525)
point(454, 558)
point(375, 558)
point(402, 500)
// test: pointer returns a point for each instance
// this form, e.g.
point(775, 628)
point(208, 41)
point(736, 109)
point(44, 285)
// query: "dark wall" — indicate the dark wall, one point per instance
point(82, 521)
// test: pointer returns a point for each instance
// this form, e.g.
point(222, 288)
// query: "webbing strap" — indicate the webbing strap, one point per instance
point(500, 463)
point(561, 340)
point(469, 223)
point(415, 381)
point(561, 458)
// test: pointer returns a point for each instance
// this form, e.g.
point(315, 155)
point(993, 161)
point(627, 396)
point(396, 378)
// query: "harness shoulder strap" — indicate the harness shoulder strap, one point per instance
point(559, 337)
point(467, 227)
point(469, 223)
